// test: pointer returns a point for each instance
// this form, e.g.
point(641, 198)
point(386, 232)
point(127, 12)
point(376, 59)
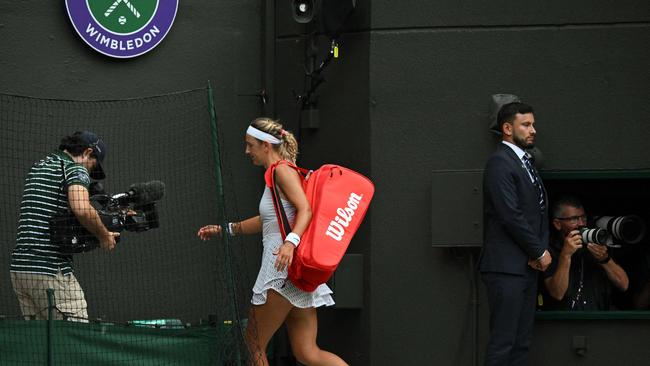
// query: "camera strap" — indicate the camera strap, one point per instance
point(581, 285)
point(64, 186)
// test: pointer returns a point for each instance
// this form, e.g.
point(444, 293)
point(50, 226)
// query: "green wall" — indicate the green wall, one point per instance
point(409, 95)
point(431, 70)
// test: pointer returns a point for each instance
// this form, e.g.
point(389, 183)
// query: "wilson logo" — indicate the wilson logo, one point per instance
point(336, 229)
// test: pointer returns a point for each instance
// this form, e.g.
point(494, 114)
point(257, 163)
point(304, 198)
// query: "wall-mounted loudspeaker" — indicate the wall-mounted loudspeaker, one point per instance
point(328, 15)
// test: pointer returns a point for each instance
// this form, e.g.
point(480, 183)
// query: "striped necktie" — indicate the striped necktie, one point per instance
point(536, 180)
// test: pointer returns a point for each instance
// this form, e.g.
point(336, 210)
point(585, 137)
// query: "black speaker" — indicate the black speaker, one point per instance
point(329, 16)
point(302, 10)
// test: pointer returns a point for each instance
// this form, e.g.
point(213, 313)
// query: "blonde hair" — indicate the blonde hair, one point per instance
point(288, 149)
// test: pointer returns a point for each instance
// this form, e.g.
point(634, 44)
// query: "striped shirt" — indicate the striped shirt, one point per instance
point(44, 196)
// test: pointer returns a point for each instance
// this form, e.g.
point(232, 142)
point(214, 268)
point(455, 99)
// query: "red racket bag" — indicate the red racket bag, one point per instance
point(339, 198)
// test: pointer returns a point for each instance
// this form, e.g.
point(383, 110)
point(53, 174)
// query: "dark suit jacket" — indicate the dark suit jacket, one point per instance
point(515, 229)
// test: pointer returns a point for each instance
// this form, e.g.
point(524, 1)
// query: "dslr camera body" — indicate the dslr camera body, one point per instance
point(594, 235)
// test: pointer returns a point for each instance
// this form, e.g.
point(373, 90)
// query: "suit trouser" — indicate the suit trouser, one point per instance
point(512, 315)
point(30, 288)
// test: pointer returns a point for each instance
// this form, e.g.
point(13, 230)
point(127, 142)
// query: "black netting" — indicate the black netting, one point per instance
point(161, 296)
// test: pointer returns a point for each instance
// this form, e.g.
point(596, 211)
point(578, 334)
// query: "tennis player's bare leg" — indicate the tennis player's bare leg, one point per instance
point(302, 326)
point(263, 321)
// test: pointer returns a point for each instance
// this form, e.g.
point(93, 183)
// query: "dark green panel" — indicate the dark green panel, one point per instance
point(478, 13)
point(607, 342)
point(348, 282)
point(456, 208)
point(430, 101)
point(588, 87)
point(45, 57)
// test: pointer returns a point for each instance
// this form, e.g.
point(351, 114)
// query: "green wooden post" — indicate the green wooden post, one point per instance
point(50, 326)
point(222, 214)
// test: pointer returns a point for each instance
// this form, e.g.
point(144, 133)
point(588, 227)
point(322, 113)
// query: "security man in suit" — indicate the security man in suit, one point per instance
point(515, 237)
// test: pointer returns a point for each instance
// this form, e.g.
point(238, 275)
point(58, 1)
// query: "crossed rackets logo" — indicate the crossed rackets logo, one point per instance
point(122, 18)
point(122, 28)
point(110, 9)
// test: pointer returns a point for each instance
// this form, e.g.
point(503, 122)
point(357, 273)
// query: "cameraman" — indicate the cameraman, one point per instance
point(55, 184)
point(581, 275)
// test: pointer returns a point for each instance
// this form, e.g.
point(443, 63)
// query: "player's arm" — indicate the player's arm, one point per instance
point(252, 225)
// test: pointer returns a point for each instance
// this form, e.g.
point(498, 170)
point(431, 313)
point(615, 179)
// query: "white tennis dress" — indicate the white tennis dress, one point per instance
point(269, 277)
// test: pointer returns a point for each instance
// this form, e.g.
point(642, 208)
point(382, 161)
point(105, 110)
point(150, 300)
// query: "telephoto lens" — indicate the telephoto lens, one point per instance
point(596, 236)
point(628, 229)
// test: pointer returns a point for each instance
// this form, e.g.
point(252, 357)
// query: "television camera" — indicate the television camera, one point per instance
point(133, 210)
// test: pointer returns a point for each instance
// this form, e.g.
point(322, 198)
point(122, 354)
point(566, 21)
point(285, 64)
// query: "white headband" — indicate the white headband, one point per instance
point(261, 135)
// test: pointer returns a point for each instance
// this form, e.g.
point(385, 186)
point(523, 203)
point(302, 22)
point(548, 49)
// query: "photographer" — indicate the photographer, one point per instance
point(581, 274)
point(55, 184)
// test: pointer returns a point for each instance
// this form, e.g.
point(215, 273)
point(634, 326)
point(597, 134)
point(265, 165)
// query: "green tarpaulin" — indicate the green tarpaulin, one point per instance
point(26, 342)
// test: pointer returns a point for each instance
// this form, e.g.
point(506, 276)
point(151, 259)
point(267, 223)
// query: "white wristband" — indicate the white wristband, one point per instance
point(293, 238)
point(231, 229)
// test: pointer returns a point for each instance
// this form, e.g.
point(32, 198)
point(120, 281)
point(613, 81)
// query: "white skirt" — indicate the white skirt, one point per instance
point(271, 279)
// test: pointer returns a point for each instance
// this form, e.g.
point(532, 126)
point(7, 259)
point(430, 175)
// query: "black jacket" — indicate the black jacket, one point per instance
point(515, 228)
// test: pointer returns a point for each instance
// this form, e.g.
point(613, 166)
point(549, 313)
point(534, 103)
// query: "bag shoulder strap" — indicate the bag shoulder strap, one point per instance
point(281, 215)
point(269, 172)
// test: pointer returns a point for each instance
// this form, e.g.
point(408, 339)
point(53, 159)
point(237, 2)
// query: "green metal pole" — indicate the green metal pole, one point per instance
point(50, 326)
point(222, 214)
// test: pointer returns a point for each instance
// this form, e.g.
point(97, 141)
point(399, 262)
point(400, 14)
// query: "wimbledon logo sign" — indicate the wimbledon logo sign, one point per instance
point(122, 28)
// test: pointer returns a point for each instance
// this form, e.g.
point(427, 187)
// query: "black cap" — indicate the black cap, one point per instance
point(99, 150)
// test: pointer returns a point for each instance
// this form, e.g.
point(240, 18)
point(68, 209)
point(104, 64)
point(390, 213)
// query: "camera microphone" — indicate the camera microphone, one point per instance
point(143, 193)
